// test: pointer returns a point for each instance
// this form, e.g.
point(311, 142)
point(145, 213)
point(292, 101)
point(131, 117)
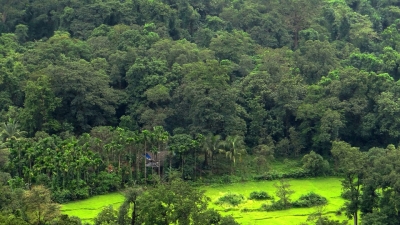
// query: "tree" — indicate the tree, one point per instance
point(315, 59)
point(86, 97)
point(284, 192)
point(181, 144)
point(206, 100)
point(264, 155)
point(232, 45)
point(107, 216)
point(298, 15)
point(211, 146)
point(38, 207)
point(234, 149)
point(131, 196)
point(4, 152)
point(351, 163)
point(10, 131)
point(174, 202)
point(39, 106)
point(315, 164)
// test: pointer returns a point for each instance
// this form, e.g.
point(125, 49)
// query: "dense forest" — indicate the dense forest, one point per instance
point(89, 88)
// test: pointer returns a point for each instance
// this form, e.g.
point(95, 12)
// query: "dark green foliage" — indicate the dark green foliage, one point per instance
point(315, 164)
point(259, 195)
point(276, 175)
point(107, 216)
point(230, 199)
point(274, 206)
point(234, 84)
point(309, 200)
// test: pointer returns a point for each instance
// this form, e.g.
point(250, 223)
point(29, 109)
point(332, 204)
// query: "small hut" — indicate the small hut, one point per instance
point(157, 160)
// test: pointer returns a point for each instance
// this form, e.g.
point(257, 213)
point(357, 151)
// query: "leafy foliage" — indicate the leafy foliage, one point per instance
point(259, 195)
point(309, 200)
point(230, 199)
point(315, 164)
point(235, 84)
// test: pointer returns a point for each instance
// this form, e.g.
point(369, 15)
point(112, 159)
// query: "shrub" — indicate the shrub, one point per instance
point(259, 195)
point(105, 182)
point(61, 196)
point(275, 175)
point(231, 199)
point(309, 200)
point(275, 206)
point(315, 164)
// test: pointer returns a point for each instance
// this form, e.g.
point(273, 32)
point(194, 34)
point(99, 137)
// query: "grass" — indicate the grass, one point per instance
point(89, 208)
point(328, 187)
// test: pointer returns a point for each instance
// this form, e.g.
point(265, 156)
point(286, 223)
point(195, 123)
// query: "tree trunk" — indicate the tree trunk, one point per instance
point(355, 216)
point(195, 165)
point(133, 214)
point(182, 165)
point(205, 163)
point(145, 159)
point(137, 164)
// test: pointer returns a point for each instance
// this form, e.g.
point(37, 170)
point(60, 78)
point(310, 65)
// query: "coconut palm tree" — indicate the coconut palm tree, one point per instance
point(10, 130)
point(234, 148)
point(211, 146)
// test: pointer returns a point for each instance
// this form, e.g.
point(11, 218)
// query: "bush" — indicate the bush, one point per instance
point(309, 200)
point(275, 206)
point(315, 164)
point(61, 196)
point(105, 182)
point(259, 195)
point(231, 199)
point(275, 175)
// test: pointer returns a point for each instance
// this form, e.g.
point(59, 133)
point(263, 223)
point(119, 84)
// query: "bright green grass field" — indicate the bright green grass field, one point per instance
point(327, 187)
point(330, 188)
point(89, 208)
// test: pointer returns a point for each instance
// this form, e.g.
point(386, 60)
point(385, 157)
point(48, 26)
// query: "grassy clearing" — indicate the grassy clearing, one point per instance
point(89, 208)
point(327, 187)
point(330, 188)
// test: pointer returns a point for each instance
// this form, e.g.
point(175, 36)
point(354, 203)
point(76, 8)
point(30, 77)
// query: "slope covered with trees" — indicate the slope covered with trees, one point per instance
point(88, 87)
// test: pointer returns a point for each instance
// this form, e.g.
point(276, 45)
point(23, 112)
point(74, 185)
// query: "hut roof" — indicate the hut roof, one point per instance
point(156, 159)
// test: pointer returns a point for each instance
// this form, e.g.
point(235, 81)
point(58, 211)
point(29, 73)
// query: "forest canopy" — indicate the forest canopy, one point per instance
point(89, 87)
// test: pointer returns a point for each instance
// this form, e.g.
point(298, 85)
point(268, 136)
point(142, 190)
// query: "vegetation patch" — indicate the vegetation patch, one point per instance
point(247, 212)
point(230, 199)
point(309, 200)
point(259, 195)
point(88, 209)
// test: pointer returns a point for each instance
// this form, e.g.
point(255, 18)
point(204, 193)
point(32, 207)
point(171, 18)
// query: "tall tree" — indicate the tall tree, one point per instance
point(38, 207)
point(351, 163)
point(234, 149)
point(298, 15)
point(206, 100)
point(39, 106)
point(87, 99)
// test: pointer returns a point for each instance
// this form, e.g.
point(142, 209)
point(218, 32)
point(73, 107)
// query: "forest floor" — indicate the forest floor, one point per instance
point(329, 187)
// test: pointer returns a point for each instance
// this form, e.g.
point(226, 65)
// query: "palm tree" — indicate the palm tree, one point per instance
point(160, 138)
point(146, 138)
point(234, 147)
point(10, 130)
point(211, 146)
